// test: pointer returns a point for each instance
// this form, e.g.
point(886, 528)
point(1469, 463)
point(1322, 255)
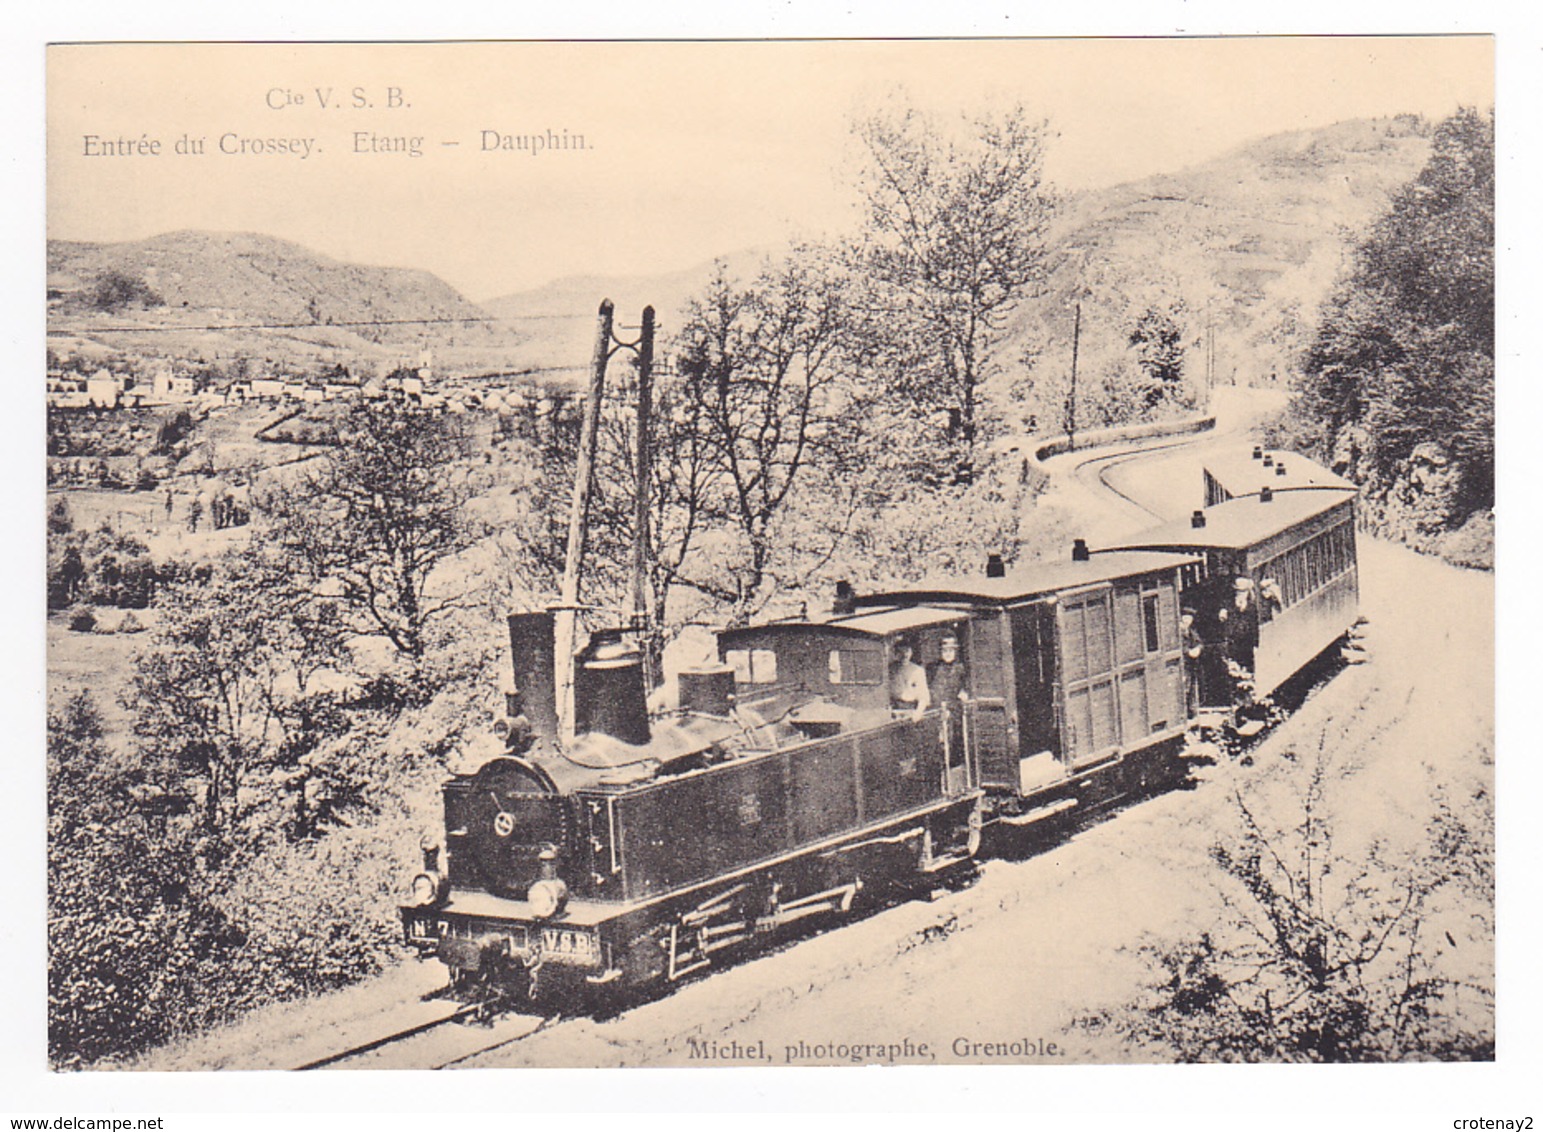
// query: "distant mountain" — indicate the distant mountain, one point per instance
point(555, 323)
point(1241, 249)
point(299, 301)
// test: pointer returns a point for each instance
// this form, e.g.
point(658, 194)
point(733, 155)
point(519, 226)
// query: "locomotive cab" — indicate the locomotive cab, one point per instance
point(824, 677)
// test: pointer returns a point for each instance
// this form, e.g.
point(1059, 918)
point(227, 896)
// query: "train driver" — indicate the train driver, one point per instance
point(947, 683)
point(908, 691)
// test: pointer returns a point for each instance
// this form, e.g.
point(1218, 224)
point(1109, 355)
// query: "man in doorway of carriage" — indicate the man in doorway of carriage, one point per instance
point(1242, 629)
point(1193, 646)
point(947, 683)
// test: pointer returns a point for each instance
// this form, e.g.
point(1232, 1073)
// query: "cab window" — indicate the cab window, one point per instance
point(752, 666)
point(852, 666)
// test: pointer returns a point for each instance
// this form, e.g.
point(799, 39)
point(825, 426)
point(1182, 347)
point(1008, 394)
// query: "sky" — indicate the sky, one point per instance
point(648, 157)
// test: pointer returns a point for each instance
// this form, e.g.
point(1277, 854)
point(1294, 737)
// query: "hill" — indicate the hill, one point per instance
point(556, 322)
point(1242, 250)
point(261, 296)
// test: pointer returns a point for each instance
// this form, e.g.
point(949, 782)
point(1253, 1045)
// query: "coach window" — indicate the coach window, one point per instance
point(1149, 620)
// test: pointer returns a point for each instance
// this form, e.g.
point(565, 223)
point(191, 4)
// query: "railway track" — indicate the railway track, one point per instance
point(425, 1035)
point(1098, 467)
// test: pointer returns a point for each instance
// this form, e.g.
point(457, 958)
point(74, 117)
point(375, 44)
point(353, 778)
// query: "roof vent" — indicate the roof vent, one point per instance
point(1080, 550)
point(1268, 460)
point(1197, 520)
point(1258, 451)
point(1280, 469)
point(845, 602)
point(995, 567)
point(1265, 495)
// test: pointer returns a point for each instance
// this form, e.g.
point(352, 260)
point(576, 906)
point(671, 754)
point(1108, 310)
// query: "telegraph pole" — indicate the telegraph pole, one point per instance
point(566, 620)
point(642, 604)
point(1210, 353)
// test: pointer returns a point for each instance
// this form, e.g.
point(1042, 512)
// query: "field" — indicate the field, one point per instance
point(98, 663)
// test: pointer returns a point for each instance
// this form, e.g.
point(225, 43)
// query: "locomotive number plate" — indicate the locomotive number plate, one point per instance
point(561, 945)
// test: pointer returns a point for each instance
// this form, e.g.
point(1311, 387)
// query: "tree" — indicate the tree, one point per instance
point(955, 237)
point(1158, 340)
point(760, 388)
point(376, 516)
point(115, 289)
point(753, 402)
point(60, 520)
point(227, 686)
point(172, 431)
point(131, 937)
point(1404, 354)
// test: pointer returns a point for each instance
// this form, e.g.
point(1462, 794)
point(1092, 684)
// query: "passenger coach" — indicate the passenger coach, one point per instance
point(1276, 586)
point(1074, 672)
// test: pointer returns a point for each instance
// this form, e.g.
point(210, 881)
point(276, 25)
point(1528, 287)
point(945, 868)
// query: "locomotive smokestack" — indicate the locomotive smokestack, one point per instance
point(845, 602)
point(1197, 520)
point(995, 568)
point(532, 645)
point(1080, 550)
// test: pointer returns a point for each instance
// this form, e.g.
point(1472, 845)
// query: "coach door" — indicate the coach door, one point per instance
point(1149, 676)
point(989, 726)
point(1089, 719)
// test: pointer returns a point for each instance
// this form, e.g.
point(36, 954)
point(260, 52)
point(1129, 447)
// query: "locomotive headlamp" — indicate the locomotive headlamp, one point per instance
point(427, 889)
point(548, 895)
point(547, 898)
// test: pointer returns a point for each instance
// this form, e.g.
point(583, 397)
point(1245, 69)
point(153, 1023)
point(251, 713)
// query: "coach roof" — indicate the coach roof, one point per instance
point(1035, 579)
point(1241, 522)
point(1239, 473)
point(876, 623)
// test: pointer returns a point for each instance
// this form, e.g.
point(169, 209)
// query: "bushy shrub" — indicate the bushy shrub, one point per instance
point(131, 940)
point(83, 619)
point(1472, 544)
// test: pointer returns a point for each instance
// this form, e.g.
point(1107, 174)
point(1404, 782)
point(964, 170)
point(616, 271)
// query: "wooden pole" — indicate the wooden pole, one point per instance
point(566, 621)
point(642, 603)
point(1071, 404)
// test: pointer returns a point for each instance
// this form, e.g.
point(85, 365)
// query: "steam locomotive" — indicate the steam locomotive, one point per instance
point(826, 760)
